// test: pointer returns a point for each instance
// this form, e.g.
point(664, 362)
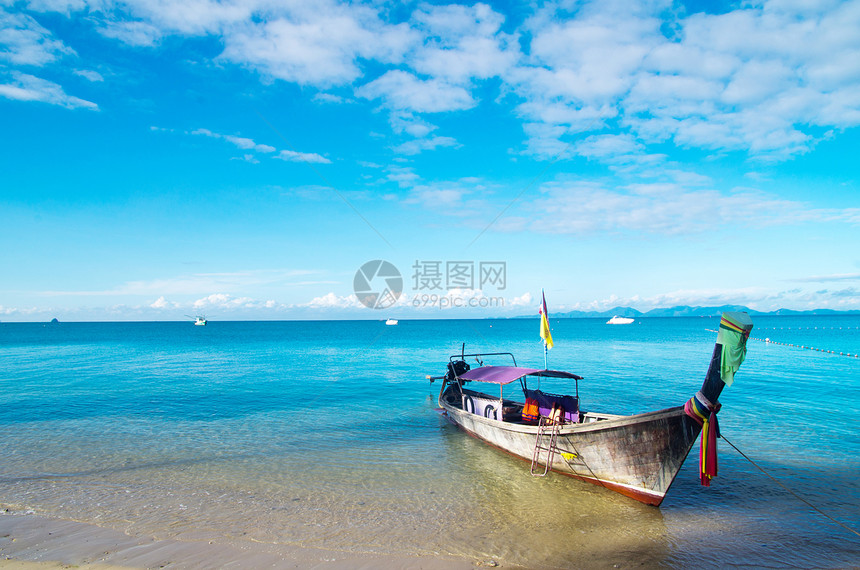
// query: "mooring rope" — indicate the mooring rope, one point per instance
point(768, 341)
point(798, 497)
point(578, 456)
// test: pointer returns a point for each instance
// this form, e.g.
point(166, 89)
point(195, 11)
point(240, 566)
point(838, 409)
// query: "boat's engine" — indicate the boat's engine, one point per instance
point(456, 368)
point(452, 388)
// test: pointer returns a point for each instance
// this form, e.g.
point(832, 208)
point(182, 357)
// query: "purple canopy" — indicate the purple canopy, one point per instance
point(507, 374)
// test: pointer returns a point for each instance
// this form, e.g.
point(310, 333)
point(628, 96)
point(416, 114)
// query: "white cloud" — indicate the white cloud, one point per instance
point(449, 199)
point(458, 198)
point(462, 43)
point(555, 112)
point(63, 6)
point(227, 302)
point(401, 90)
point(405, 122)
point(757, 79)
point(162, 303)
point(293, 156)
point(544, 140)
point(419, 145)
point(664, 208)
point(317, 44)
point(332, 301)
point(196, 284)
point(27, 87)
point(591, 59)
point(330, 98)
point(193, 17)
point(611, 147)
point(134, 33)
point(23, 41)
point(216, 299)
point(524, 300)
point(240, 142)
point(244, 143)
point(90, 75)
point(403, 176)
point(248, 144)
point(8, 310)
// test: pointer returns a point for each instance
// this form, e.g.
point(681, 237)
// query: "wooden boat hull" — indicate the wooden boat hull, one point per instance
point(637, 456)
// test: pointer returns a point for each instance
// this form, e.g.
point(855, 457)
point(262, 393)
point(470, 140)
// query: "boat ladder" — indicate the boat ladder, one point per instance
point(545, 447)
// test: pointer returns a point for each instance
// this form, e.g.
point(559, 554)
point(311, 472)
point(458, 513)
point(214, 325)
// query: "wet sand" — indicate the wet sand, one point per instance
point(31, 542)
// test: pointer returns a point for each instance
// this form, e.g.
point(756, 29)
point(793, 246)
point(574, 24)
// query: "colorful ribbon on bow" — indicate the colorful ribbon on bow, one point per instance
point(705, 414)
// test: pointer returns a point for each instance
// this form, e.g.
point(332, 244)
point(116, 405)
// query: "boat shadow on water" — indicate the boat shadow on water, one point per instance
point(555, 521)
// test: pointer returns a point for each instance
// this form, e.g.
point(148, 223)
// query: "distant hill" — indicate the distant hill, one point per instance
point(684, 311)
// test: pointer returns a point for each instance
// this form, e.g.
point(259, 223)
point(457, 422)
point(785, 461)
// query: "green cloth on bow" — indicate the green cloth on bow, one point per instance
point(734, 331)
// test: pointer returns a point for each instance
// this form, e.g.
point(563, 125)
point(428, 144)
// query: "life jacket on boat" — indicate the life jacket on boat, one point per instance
point(556, 416)
point(531, 413)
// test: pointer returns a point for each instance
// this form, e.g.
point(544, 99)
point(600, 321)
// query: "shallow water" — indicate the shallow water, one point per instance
point(324, 434)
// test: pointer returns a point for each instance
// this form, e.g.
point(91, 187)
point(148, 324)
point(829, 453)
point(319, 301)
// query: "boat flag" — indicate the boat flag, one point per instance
point(544, 322)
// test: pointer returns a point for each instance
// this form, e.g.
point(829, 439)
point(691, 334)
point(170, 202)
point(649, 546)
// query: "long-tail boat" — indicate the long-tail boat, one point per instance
point(637, 456)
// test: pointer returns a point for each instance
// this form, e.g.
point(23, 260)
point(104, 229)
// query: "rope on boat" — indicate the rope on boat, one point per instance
point(798, 497)
point(768, 341)
point(578, 456)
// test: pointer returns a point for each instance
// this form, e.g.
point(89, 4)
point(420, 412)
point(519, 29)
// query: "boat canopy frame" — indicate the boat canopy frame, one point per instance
point(463, 355)
point(503, 375)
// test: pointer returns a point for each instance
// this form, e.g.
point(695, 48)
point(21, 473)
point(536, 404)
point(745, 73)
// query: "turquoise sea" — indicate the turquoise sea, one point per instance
point(324, 434)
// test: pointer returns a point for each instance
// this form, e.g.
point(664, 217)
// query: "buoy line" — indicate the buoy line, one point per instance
point(768, 341)
point(807, 328)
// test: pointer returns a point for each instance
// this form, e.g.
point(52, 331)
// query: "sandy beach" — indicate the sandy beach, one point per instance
point(31, 542)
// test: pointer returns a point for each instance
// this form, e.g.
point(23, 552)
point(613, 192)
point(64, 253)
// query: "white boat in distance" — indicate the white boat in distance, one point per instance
point(616, 320)
point(391, 322)
point(200, 321)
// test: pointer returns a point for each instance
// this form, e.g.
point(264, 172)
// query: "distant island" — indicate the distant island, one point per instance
point(686, 311)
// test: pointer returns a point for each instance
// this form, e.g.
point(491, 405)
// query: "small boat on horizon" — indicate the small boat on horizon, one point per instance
point(200, 321)
point(638, 455)
point(616, 320)
point(391, 322)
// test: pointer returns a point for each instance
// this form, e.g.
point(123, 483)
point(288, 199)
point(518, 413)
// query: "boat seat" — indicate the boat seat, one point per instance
point(546, 401)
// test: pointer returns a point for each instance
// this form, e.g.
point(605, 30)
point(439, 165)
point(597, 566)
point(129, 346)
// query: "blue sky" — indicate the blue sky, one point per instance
point(243, 159)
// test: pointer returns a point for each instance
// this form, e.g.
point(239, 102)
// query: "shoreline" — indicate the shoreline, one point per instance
point(30, 542)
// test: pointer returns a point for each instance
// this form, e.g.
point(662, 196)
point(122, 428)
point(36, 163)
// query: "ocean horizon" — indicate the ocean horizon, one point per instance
point(684, 311)
point(324, 434)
